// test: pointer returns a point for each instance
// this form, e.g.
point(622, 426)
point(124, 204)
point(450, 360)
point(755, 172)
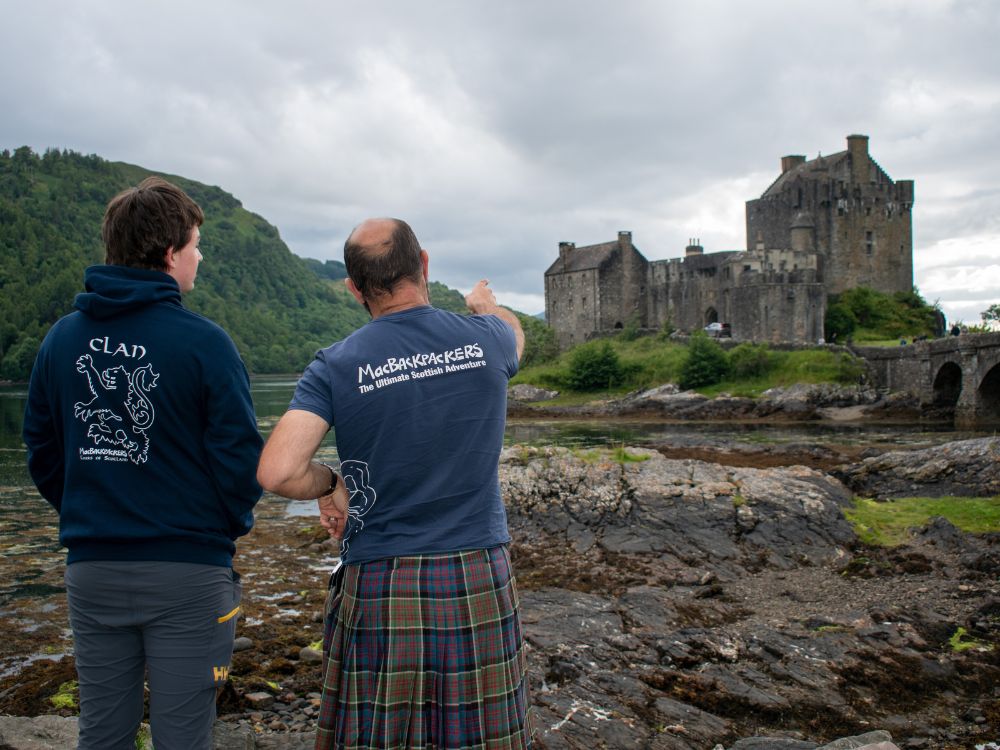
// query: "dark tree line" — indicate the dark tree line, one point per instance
point(278, 311)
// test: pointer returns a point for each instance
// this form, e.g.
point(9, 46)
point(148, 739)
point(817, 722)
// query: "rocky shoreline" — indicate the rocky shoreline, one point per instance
point(668, 602)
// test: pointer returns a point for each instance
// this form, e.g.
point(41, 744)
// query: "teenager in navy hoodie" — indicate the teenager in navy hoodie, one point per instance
point(141, 434)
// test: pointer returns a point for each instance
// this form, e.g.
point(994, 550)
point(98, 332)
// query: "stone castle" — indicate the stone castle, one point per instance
point(823, 226)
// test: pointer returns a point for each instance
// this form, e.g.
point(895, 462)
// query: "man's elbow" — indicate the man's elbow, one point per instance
point(270, 476)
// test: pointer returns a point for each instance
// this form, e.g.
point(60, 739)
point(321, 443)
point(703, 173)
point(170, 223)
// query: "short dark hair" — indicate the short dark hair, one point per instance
point(376, 268)
point(143, 222)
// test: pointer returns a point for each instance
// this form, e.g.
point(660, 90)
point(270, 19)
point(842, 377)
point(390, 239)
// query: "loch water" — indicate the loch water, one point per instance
point(29, 526)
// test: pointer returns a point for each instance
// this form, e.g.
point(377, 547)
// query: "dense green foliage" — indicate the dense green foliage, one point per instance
point(706, 363)
point(594, 365)
point(749, 369)
point(333, 270)
point(866, 315)
point(276, 309)
point(540, 344)
point(446, 298)
point(748, 361)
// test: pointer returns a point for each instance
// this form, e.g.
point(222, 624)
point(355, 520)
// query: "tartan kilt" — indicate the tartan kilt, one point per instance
point(425, 652)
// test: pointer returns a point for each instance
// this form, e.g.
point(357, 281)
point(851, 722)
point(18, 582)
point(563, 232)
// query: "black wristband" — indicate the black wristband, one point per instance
point(333, 479)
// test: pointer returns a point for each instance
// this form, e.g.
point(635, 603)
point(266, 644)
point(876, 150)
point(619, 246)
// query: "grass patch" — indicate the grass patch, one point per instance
point(888, 524)
point(649, 361)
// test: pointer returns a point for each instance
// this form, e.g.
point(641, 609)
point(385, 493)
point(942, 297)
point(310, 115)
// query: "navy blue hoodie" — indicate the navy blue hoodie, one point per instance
point(139, 426)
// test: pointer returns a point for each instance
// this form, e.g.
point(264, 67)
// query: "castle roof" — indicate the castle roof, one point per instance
point(822, 167)
point(584, 258)
point(835, 166)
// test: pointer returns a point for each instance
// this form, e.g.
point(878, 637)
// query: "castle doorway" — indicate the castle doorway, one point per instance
point(711, 316)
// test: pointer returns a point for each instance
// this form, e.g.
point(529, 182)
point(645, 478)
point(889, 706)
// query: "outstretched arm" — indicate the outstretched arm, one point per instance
point(482, 301)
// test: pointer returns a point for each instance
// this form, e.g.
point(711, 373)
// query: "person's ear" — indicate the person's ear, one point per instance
point(425, 262)
point(354, 291)
point(169, 261)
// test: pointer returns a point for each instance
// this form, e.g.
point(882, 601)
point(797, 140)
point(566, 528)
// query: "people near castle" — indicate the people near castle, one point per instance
point(422, 644)
point(141, 434)
point(956, 330)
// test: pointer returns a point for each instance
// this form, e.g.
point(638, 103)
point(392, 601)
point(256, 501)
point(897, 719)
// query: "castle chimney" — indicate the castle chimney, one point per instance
point(791, 162)
point(857, 148)
point(564, 248)
point(694, 248)
point(624, 239)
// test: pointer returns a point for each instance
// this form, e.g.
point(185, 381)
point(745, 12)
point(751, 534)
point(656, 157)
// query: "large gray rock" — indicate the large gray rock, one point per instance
point(702, 515)
point(963, 468)
point(530, 393)
point(38, 733)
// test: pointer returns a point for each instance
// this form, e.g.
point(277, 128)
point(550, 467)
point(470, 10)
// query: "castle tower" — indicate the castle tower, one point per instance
point(862, 221)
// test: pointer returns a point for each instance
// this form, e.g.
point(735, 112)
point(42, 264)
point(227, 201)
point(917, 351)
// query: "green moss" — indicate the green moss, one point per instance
point(961, 641)
point(622, 456)
point(619, 455)
point(739, 501)
point(66, 696)
point(889, 523)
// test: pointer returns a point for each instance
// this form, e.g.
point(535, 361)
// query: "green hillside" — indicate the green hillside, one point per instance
point(274, 304)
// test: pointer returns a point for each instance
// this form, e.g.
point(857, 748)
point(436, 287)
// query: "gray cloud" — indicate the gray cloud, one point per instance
point(499, 129)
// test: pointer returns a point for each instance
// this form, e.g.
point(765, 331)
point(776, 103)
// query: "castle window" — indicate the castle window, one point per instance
point(869, 242)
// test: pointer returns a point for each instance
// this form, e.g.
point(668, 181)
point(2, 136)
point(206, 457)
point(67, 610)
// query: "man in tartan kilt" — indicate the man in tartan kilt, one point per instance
point(422, 643)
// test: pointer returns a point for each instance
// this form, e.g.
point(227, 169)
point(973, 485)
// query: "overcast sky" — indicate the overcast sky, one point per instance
point(498, 129)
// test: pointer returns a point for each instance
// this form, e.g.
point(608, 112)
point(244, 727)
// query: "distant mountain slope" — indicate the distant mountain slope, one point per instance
point(270, 301)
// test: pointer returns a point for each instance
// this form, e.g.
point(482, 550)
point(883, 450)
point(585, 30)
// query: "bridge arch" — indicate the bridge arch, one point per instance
point(947, 385)
point(988, 394)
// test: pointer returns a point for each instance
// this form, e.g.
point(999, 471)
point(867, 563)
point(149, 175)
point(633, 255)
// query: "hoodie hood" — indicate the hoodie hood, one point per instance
point(112, 290)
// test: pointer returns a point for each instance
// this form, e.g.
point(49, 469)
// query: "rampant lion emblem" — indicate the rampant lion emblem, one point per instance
point(119, 413)
point(362, 497)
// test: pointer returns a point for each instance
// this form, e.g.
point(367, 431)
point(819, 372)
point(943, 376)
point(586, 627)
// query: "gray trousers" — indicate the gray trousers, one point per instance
point(176, 620)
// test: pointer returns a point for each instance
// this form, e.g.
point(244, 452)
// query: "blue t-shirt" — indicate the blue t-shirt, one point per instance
point(418, 402)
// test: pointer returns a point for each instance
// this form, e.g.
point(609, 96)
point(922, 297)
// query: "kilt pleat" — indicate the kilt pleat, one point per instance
point(425, 652)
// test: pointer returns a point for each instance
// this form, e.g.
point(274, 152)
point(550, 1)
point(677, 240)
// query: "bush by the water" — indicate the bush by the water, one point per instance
point(594, 366)
point(706, 363)
point(748, 361)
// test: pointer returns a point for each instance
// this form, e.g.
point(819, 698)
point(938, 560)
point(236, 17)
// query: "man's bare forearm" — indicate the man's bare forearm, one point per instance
point(481, 301)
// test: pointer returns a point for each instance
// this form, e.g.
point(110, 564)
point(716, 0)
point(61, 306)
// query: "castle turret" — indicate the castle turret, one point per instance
point(791, 162)
point(857, 147)
point(803, 230)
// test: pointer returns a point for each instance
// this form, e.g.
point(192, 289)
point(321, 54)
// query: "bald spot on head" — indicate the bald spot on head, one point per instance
point(374, 236)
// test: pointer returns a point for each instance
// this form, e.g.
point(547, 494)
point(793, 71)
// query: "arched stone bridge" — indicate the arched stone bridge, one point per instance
point(960, 371)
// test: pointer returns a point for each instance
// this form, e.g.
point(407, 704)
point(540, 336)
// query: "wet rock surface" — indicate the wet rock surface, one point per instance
point(962, 468)
point(667, 603)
